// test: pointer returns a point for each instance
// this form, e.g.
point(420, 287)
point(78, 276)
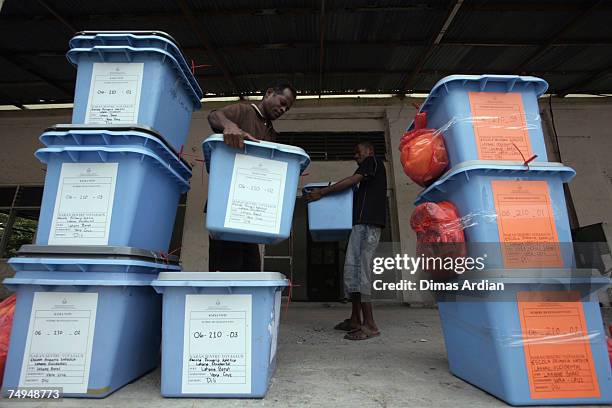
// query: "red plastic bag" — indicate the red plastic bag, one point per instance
point(439, 234)
point(7, 310)
point(423, 153)
point(610, 344)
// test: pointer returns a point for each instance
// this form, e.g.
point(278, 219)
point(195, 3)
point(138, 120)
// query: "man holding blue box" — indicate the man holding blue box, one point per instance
point(239, 122)
point(369, 217)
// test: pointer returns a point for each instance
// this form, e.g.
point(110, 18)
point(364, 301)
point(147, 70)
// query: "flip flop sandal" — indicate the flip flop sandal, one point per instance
point(344, 325)
point(361, 334)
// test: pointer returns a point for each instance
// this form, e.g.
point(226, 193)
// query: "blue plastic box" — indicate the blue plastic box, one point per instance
point(114, 136)
point(448, 109)
point(331, 217)
point(117, 314)
point(251, 193)
point(144, 200)
point(167, 98)
point(469, 187)
point(136, 39)
point(485, 344)
point(224, 326)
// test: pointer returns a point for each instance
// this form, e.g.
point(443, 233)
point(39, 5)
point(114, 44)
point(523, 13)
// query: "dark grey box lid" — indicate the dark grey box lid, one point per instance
point(95, 251)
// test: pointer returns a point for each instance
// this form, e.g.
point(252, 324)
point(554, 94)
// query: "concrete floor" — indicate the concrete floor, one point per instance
point(405, 367)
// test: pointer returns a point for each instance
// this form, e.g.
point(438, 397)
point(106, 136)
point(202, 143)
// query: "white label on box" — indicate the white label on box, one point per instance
point(256, 194)
point(84, 204)
point(59, 342)
point(114, 93)
point(276, 323)
point(217, 344)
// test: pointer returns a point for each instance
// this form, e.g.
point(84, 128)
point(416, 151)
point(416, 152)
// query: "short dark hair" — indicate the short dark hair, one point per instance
point(280, 85)
point(367, 145)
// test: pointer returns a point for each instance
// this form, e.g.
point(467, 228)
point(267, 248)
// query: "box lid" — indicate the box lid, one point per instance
point(132, 38)
point(494, 167)
point(112, 129)
point(73, 57)
point(483, 81)
point(156, 33)
point(221, 276)
point(94, 251)
point(209, 144)
point(312, 186)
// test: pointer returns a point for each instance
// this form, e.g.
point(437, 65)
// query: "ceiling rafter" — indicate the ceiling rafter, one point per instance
point(206, 42)
point(584, 82)
point(251, 46)
point(323, 24)
point(435, 40)
point(560, 33)
point(59, 17)
point(27, 67)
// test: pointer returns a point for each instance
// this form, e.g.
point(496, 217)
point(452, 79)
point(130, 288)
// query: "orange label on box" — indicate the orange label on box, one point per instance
point(526, 224)
point(499, 126)
point(557, 347)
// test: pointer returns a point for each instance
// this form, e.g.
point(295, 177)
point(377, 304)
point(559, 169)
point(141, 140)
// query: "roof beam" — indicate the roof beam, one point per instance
point(249, 46)
point(408, 82)
point(322, 23)
point(584, 82)
point(206, 42)
point(531, 6)
point(239, 11)
point(7, 100)
point(527, 6)
point(58, 16)
point(440, 73)
point(560, 33)
point(25, 66)
point(382, 73)
point(595, 42)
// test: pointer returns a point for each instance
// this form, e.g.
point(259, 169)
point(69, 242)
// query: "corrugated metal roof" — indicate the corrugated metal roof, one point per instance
point(506, 25)
point(372, 46)
point(599, 86)
point(586, 59)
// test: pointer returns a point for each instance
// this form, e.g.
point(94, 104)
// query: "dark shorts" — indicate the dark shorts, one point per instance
point(229, 256)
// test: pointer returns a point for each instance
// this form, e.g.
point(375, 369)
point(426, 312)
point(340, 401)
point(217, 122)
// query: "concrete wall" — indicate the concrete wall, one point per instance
point(584, 138)
point(585, 142)
point(19, 132)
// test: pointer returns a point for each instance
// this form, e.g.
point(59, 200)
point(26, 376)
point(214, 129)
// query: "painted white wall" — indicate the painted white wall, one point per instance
point(19, 132)
point(584, 132)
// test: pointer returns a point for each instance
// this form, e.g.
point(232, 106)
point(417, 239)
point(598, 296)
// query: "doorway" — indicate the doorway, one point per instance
point(314, 268)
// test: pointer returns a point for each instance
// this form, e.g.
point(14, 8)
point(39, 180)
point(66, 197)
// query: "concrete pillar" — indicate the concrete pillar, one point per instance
point(405, 190)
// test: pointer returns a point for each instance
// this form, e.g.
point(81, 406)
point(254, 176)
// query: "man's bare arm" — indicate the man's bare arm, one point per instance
point(233, 136)
point(334, 188)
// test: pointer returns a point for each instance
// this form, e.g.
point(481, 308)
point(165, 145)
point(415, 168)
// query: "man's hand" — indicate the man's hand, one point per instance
point(234, 137)
point(313, 195)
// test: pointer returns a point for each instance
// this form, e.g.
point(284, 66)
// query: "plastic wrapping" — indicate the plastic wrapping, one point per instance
point(508, 338)
point(426, 153)
point(423, 154)
point(487, 117)
point(505, 136)
point(7, 311)
point(510, 206)
point(542, 340)
point(442, 232)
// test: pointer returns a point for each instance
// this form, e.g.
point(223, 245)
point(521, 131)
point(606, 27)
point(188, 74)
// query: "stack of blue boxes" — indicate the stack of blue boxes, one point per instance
point(87, 320)
point(541, 341)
